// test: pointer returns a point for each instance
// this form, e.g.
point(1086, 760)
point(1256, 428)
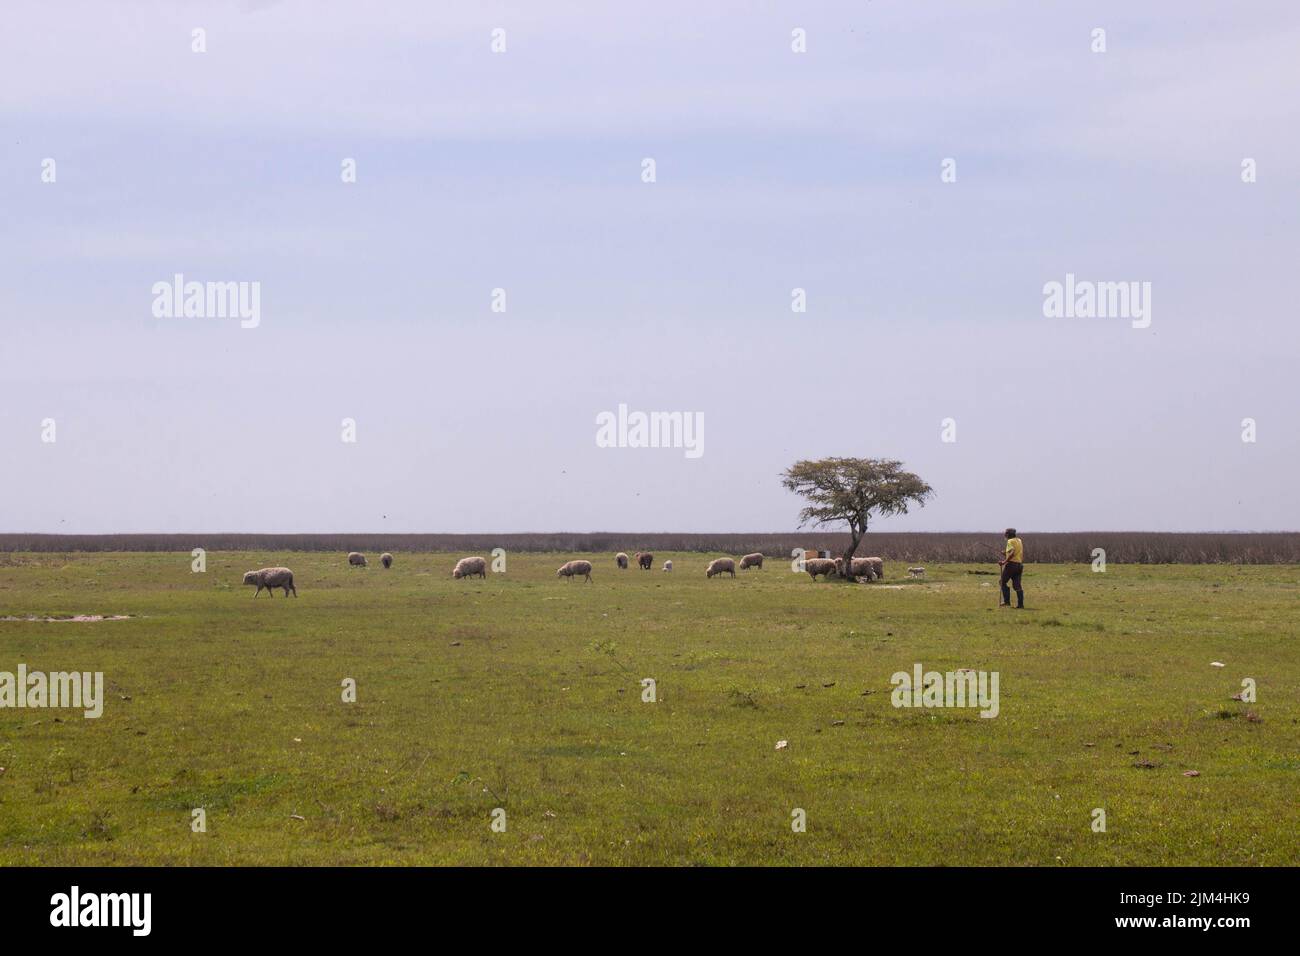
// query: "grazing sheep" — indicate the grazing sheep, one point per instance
point(668, 565)
point(870, 568)
point(823, 566)
point(470, 567)
point(356, 559)
point(754, 560)
point(271, 578)
point(644, 560)
point(386, 560)
point(916, 572)
point(571, 568)
point(621, 560)
point(721, 566)
point(862, 568)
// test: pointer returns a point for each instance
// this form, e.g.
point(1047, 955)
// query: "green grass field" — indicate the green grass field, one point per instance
point(524, 692)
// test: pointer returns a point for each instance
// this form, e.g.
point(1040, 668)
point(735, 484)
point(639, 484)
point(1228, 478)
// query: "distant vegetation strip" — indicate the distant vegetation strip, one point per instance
point(1125, 547)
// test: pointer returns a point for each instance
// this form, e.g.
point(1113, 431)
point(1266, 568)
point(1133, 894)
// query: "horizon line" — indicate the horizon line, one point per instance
point(112, 534)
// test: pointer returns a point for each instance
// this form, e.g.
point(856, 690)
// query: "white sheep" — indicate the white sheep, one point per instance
point(823, 566)
point(668, 565)
point(356, 559)
point(720, 566)
point(868, 568)
point(386, 560)
point(916, 572)
point(470, 567)
point(754, 560)
point(571, 568)
point(270, 578)
point(621, 560)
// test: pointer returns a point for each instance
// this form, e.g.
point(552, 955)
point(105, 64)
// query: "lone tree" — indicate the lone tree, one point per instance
point(852, 490)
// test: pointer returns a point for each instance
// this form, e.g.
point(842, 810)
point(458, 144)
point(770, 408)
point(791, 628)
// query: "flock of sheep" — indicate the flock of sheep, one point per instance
point(869, 569)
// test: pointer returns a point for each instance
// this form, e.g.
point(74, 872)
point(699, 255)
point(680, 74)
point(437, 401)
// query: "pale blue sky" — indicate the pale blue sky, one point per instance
point(522, 170)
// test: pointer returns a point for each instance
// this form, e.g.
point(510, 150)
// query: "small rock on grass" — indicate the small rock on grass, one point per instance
point(782, 744)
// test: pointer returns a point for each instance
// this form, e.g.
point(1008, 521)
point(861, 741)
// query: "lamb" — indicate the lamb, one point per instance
point(621, 560)
point(823, 566)
point(916, 572)
point(754, 560)
point(668, 565)
point(271, 578)
point(386, 560)
point(356, 559)
point(470, 567)
point(644, 560)
point(569, 569)
point(721, 566)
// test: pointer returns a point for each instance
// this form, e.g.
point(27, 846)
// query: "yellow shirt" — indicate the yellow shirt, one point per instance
point(1015, 550)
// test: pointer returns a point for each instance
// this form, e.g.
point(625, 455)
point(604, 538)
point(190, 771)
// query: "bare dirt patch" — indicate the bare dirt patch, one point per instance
point(75, 619)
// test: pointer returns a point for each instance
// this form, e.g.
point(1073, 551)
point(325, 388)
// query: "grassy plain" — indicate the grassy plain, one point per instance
point(524, 692)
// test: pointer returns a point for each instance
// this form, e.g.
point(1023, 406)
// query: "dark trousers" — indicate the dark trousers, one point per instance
point(1011, 572)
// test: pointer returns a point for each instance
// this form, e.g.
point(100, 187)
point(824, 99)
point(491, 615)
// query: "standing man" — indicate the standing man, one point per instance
point(1013, 565)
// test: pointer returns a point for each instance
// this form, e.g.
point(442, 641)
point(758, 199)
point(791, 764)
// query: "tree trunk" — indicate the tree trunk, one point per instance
point(855, 536)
